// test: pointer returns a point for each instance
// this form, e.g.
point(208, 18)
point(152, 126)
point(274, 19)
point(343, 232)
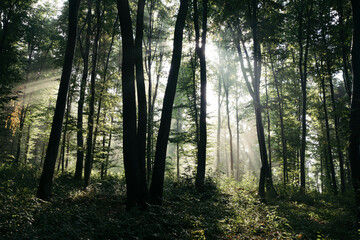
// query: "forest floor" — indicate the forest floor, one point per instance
point(224, 210)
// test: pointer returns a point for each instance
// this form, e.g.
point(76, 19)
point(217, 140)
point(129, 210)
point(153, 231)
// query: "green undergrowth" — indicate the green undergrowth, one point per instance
point(222, 210)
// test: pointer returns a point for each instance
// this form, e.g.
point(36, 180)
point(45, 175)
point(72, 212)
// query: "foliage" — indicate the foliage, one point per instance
point(224, 210)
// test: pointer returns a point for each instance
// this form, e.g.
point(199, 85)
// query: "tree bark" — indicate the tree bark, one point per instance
point(226, 90)
point(79, 125)
point(218, 137)
point(141, 96)
point(201, 167)
point(303, 79)
point(89, 140)
point(157, 183)
point(354, 147)
point(44, 189)
point(282, 127)
point(328, 138)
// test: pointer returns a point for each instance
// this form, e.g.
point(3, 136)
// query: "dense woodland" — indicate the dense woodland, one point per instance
point(183, 119)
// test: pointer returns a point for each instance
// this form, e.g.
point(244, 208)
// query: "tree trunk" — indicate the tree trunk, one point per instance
point(44, 189)
point(89, 140)
point(27, 144)
point(218, 138)
point(254, 90)
point(328, 138)
point(344, 49)
point(130, 151)
point(268, 124)
point(79, 126)
point(141, 96)
point(337, 136)
point(303, 78)
point(354, 147)
point(21, 128)
point(238, 134)
point(178, 144)
point(62, 159)
point(156, 188)
point(200, 174)
point(226, 89)
point(282, 127)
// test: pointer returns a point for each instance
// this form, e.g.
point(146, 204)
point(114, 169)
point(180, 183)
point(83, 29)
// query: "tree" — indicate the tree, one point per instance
point(303, 61)
point(157, 183)
point(79, 126)
point(44, 189)
point(354, 147)
point(89, 140)
point(130, 151)
point(254, 90)
point(141, 95)
point(200, 174)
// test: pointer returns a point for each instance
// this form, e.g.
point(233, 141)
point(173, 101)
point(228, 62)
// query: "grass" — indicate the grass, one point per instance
point(224, 210)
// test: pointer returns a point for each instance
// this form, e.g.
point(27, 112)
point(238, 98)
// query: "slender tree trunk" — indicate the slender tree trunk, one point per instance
point(354, 147)
point(226, 89)
point(44, 189)
point(20, 135)
point(178, 144)
point(68, 108)
point(108, 149)
point(200, 174)
point(218, 139)
point(141, 97)
point(195, 106)
point(27, 144)
point(254, 90)
point(328, 138)
point(344, 49)
point(89, 140)
point(337, 136)
point(237, 134)
point(130, 151)
point(282, 127)
point(268, 124)
point(6, 25)
point(148, 60)
point(303, 77)
point(157, 183)
point(79, 126)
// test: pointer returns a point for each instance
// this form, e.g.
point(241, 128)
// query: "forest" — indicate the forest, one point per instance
point(180, 119)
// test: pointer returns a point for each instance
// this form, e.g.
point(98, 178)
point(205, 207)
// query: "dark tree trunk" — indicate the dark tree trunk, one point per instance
point(20, 135)
point(79, 126)
point(226, 90)
point(303, 79)
point(354, 147)
point(328, 138)
point(218, 138)
point(282, 127)
point(89, 140)
point(141, 96)
point(27, 144)
point(8, 18)
point(44, 189)
point(200, 174)
point(178, 144)
point(268, 123)
point(148, 67)
point(237, 134)
point(68, 108)
point(194, 95)
point(130, 151)
point(344, 49)
point(157, 183)
point(254, 90)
